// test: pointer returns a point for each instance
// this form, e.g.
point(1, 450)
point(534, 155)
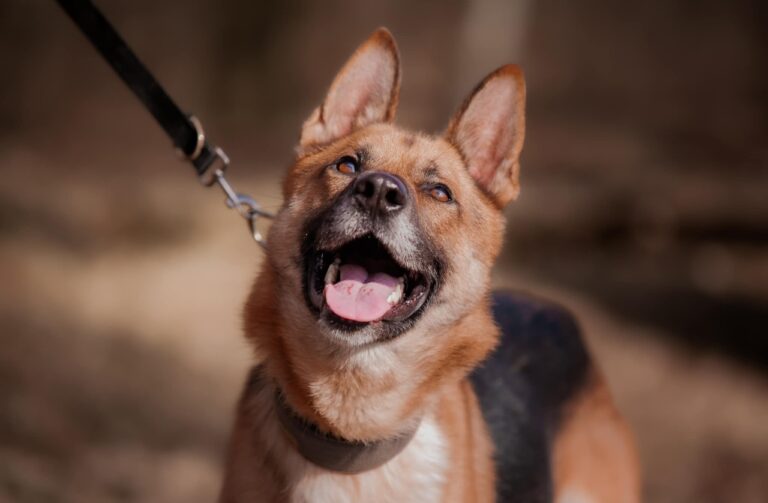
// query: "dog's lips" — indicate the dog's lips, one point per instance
point(361, 283)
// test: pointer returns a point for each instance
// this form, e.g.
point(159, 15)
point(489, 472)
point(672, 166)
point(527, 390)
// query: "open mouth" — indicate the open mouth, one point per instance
point(361, 283)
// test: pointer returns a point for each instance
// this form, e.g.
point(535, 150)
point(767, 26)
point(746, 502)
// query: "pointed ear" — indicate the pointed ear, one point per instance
point(489, 129)
point(364, 92)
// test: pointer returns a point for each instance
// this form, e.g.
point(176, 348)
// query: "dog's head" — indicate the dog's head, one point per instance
point(385, 232)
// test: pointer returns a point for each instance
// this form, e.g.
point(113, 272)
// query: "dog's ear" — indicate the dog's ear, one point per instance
point(364, 92)
point(489, 129)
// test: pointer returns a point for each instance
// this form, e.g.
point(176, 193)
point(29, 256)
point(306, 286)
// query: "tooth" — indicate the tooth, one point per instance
point(333, 272)
point(397, 293)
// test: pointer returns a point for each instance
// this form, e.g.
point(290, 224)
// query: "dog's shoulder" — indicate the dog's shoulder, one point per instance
point(540, 364)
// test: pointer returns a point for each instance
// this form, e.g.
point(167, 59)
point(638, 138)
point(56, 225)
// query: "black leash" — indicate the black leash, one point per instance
point(186, 132)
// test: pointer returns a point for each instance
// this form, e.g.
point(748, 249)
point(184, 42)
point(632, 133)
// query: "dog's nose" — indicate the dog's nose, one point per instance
point(380, 193)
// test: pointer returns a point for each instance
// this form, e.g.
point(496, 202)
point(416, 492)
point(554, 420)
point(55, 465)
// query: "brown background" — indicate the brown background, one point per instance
point(644, 209)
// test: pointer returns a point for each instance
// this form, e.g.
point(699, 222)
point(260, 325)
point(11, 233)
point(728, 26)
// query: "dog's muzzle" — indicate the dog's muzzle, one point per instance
point(367, 260)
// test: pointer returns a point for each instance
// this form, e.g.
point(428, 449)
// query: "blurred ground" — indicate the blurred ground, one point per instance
point(644, 209)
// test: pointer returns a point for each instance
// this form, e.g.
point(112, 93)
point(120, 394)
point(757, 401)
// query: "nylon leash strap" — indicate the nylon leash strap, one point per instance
point(186, 132)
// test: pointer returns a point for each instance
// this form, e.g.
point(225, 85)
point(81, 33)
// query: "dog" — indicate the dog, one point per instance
point(386, 369)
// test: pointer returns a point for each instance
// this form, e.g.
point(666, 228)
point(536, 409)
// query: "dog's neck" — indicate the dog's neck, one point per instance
point(370, 395)
point(350, 400)
point(331, 452)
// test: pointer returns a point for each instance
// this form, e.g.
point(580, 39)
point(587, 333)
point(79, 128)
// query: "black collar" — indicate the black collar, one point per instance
point(331, 452)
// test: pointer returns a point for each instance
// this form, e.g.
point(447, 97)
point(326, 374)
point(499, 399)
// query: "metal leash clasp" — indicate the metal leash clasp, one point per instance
point(245, 205)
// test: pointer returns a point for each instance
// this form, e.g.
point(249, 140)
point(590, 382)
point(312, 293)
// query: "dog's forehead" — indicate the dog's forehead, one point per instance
point(410, 154)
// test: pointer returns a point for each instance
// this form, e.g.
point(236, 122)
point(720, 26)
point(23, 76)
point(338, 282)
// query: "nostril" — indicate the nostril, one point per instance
point(394, 197)
point(366, 189)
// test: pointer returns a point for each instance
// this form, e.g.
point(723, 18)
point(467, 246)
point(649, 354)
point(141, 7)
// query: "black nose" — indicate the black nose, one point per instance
point(380, 193)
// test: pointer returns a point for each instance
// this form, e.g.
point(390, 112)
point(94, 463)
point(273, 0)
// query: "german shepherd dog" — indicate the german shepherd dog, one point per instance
point(386, 369)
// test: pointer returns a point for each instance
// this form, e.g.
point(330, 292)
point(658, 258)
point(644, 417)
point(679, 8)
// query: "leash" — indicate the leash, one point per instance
point(209, 161)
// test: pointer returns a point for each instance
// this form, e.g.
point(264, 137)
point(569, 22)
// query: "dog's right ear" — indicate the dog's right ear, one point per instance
point(364, 92)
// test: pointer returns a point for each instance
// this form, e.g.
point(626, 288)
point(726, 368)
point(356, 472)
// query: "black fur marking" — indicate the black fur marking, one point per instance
point(540, 364)
point(431, 171)
point(432, 264)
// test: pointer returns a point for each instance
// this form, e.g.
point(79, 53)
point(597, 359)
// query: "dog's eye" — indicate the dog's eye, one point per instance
point(440, 193)
point(347, 165)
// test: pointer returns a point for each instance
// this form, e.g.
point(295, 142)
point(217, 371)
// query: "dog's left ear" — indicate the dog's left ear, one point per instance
point(489, 130)
point(364, 92)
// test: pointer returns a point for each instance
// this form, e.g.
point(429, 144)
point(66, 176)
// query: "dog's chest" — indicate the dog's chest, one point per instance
point(418, 473)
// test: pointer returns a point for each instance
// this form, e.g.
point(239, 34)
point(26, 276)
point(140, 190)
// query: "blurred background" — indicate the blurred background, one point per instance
point(644, 209)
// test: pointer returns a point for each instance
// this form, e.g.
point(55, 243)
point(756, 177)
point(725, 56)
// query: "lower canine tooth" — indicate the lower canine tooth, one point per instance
point(332, 273)
point(397, 293)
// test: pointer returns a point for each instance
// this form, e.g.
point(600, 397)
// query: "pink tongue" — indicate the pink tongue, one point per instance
point(359, 297)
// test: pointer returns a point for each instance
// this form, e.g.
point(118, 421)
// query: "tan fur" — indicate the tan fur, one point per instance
point(489, 130)
point(363, 391)
point(358, 96)
point(594, 455)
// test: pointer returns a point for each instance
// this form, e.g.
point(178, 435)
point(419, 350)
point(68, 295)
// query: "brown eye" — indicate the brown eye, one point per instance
point(440, 193)
point(347, 165)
